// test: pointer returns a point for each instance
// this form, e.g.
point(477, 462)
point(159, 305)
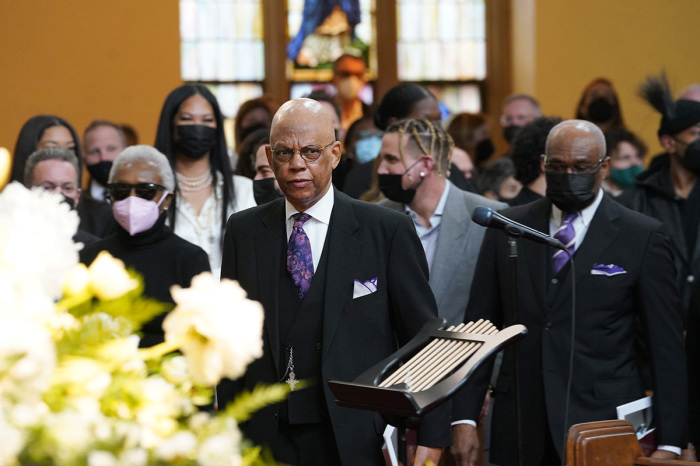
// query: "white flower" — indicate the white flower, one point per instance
point(101, 458)
point(27, 359)
point(134, 457)
point(180, 445)
point(221, 329)
point(36, 249)
point(12, 442)
point(174, 370)
point(109, 278)
point(221, 450)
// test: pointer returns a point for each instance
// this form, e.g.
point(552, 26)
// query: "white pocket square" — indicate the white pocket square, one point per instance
point(364, 288)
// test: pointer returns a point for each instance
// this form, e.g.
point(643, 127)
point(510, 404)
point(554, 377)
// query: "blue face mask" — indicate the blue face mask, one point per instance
point(368, 148)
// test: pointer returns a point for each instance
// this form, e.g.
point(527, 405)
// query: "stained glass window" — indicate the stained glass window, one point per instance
point(441, 40)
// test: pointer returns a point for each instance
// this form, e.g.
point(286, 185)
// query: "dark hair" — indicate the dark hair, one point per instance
point(528, 145)
point(29, 137)
point(266, 103)
point(493, 174)
point(398, 103)
point(321, 95)
point(97, 123)
point(462, 128)
point(245, 166)
point(617, 121)
point(219, 162)
point(614, 137)
point(132, 137)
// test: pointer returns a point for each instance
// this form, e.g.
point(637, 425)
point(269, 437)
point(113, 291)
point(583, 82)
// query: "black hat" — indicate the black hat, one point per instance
point(675, 116)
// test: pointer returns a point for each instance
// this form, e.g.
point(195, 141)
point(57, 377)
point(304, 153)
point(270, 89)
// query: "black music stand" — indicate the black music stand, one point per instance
point(404, 408)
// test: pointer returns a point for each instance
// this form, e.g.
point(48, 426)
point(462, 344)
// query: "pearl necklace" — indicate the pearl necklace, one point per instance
point(197, 184)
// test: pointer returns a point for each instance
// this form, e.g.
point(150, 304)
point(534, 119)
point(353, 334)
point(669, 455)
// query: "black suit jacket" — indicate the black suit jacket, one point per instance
point(364, 241)
point(605, 373)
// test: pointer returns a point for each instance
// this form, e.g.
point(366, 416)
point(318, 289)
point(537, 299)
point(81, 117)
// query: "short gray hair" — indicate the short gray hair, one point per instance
point(50, 153)
point(146, 154)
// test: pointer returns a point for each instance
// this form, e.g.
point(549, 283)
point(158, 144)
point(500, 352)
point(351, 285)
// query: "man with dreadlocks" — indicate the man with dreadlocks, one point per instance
point(415, 157)
point(669, 191)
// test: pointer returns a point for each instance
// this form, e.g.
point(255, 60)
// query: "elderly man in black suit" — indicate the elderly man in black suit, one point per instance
point(341, 281)
point(623, 271)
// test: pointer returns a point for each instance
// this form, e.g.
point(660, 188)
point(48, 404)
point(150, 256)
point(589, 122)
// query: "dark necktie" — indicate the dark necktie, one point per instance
point(567, 235)
point(299, 260)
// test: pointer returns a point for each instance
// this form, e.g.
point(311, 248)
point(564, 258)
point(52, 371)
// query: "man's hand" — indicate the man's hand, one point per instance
point(425, 454)
point(664, 455)
point(465, 445)
point(688, 454)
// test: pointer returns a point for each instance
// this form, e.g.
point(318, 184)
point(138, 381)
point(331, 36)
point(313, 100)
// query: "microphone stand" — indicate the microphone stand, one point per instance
point(512, 310)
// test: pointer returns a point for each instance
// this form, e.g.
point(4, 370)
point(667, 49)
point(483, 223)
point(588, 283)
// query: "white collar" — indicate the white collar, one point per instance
point(586, 214)
point(320, 211)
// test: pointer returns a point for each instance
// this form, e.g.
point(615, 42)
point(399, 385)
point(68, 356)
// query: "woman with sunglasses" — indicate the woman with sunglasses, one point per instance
point(191, 135)
point(140, 186)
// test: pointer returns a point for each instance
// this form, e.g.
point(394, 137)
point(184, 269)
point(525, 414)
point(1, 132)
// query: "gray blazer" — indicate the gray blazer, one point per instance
point(456, 251)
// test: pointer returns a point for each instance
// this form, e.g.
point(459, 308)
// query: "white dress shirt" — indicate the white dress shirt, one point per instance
point(205, 229)
point(316, 228)
point(429, 235)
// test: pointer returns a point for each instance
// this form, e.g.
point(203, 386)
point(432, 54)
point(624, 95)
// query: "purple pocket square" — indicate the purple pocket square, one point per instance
point(607, 269)
point(363, 288)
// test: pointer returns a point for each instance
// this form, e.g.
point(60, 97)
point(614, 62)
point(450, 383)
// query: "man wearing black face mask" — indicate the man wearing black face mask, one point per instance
point(103, 141)
point(624, 274)
point(669, 191)
point(415, 156)
point(518, 110)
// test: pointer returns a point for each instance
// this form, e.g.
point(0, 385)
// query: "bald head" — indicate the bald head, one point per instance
point(300, 113)
point(579, 134)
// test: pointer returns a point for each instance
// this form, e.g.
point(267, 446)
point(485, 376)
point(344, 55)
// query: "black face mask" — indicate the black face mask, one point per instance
point(483, 151)
point(691, 157)
point(264, 191)
point(194, 141)
point(100, 172)
point(390, 186)
point(69, 201)
point(571, 193)
point(509, 133)
point(600, 110)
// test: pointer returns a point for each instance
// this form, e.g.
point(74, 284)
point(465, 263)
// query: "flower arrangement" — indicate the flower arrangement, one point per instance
point(75, 389)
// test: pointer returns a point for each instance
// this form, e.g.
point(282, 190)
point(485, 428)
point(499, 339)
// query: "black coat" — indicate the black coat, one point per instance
point(161, 257)
point(606, 374)
point(364, 241)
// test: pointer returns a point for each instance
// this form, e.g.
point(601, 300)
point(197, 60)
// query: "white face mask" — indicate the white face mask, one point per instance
point(135, 214)
point(349, 88)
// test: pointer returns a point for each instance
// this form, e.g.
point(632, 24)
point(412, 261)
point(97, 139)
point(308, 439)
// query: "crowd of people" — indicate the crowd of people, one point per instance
point(351, 224)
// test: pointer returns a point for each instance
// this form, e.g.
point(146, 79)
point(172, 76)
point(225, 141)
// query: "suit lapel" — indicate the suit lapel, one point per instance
point(536, 255)
point(268, 257)
point(455, 231)
point(344, 252)
point(601, 232)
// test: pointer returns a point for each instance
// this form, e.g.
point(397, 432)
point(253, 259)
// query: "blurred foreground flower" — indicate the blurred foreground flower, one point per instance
point(220, 330)
point(74, 387)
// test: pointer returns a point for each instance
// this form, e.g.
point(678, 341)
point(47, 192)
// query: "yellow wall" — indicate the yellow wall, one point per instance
point(622, 40)
point(87, 59)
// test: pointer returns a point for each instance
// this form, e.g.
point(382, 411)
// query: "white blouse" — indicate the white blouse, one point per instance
point(205, 229)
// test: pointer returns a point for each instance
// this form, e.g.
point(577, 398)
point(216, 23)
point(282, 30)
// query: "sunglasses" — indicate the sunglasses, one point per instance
point(148, 191)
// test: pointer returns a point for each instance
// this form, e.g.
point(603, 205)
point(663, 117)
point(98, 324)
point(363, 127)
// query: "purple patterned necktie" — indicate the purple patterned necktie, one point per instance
point(299, 260)
point(567, 235)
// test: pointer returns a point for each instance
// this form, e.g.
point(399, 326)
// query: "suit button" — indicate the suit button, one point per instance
point(691, 278)
point(318, 346)
point(554, 281)
point(274, 416)
point(548, 326)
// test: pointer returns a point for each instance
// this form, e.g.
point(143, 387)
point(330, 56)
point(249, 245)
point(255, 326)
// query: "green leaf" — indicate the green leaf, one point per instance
point(246, 403)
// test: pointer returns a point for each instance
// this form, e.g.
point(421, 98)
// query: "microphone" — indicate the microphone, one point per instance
point(488, 218)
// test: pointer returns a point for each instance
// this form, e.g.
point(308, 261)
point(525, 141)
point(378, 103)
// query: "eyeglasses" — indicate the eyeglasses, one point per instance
point(578, 168)
point(148, 191)
point(308, 153)
point(66, 188)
